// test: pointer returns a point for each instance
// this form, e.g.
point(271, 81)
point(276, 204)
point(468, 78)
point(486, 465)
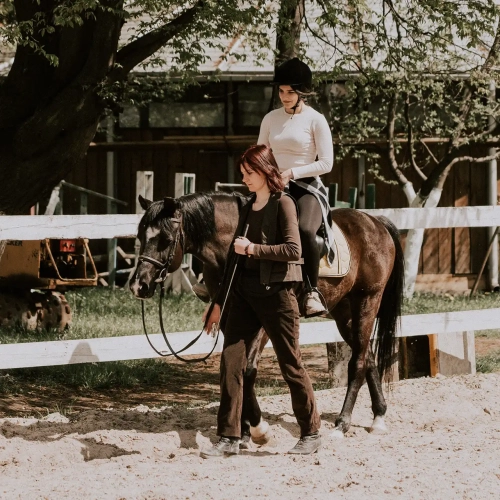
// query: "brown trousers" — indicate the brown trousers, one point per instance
point(276, 310)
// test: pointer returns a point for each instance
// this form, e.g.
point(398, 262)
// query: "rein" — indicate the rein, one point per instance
point(162, 276)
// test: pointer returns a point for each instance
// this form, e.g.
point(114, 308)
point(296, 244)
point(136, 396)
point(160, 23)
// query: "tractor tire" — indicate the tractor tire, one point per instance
point(34, 310)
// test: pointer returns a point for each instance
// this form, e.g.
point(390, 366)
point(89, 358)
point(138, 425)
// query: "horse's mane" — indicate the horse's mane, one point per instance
point(198, 215)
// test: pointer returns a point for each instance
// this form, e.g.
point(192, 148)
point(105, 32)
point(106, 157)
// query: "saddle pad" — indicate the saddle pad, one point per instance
point(342, 261)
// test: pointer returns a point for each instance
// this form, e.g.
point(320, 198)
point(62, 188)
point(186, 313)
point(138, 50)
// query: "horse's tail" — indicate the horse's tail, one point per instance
point(390, 306)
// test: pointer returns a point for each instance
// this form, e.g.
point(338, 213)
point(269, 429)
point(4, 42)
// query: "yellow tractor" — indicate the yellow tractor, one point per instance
point(33, 277)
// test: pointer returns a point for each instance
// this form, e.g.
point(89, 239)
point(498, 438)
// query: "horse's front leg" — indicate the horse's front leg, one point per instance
point(363, 313)
point(252, 424)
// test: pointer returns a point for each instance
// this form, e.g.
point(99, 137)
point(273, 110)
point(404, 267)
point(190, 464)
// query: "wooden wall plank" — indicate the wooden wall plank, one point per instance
point(430, 251)
point(478, 196)
point(445, 235)
point(461, 235)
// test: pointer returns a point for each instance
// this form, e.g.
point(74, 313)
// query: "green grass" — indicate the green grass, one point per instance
point(100, 312)
point(489, 363)
point(423, 303)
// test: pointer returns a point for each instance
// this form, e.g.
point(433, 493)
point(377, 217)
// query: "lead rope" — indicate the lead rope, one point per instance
point(172, 352)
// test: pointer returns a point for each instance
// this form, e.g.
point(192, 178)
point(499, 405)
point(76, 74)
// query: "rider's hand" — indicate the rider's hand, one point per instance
point(211, 324)
point(287, 175)
point(240, 245)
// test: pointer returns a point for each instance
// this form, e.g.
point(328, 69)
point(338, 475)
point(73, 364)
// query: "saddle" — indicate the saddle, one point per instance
point(342, 260)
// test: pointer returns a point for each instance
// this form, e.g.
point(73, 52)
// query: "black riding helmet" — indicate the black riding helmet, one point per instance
point(295, 73)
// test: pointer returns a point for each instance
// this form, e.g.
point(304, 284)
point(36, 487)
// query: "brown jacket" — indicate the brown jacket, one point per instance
point(280, 249)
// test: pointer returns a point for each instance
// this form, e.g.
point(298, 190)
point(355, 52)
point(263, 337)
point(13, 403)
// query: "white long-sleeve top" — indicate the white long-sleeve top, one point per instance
point(297, 139)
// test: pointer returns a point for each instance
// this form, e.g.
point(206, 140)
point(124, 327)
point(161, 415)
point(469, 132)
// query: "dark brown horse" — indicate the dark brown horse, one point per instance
point(203, 224)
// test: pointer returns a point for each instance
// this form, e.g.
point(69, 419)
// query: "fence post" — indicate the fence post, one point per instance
point(353, 196)
point(361, 182)
point(112, 244)
point(84, 203)
point(144, 183)
point(144, 187)
point(333, 193)
point(370, 196)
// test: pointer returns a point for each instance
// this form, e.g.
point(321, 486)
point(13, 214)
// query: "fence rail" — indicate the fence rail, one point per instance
point(135, 346)
point(35, 227)
point(62, 352)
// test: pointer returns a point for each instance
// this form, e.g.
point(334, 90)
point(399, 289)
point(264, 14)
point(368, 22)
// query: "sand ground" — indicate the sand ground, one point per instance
point(443, 442)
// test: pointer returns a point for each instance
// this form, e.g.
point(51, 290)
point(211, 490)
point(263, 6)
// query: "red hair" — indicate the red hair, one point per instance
point(260, 159)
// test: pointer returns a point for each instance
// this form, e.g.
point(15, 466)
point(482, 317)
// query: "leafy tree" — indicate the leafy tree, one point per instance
point(412, 71)
point(70, 66)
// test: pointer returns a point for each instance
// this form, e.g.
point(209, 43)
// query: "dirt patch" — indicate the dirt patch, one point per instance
point(193, 384)
point(485, 346)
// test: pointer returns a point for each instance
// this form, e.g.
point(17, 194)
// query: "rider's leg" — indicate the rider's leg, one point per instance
point(310, 219)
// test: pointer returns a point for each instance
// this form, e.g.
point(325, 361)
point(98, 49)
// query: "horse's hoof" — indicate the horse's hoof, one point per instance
point(260, 434)
point(378, 426)
point(337, 434)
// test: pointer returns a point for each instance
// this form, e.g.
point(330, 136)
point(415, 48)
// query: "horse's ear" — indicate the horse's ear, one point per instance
point(170, 205)
point(145, 204)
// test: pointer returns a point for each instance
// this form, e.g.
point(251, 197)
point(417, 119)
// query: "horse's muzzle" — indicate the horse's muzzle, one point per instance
point(141, 288)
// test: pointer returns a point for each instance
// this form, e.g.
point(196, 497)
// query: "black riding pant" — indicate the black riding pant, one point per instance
point(310, 219)
point(276, 310)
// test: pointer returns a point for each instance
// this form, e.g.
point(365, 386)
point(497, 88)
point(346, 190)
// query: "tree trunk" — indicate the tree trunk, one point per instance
point(288, 32)
point(49, 113)
point(414, 241)
point(25, 181)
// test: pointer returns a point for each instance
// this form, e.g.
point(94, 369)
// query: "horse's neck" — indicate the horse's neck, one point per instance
point(226, 214)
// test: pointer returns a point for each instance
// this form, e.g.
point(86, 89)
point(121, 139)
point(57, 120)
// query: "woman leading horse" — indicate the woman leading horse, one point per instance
point(369, 295)
point(262, 296)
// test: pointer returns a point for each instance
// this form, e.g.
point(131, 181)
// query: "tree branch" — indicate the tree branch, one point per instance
point(391, 152)
point(410, 139)
point(439, 173)
point(140, 49)
point(436, 161)
point(473, 159)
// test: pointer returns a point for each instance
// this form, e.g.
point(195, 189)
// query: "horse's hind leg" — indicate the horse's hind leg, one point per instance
point(379, 406)
point(363, 312)
point(252, 423)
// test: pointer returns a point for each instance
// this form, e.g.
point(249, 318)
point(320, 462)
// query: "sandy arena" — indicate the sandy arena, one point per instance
point(443, 442)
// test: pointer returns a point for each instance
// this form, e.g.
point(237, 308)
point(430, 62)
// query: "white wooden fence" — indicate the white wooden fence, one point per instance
point(62, 352)
point(136, 347)
point(29, 227)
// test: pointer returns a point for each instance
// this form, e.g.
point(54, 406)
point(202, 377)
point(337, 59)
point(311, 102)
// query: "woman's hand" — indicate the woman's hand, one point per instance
point(211, 324)
point(242, 245)
point(287, 175)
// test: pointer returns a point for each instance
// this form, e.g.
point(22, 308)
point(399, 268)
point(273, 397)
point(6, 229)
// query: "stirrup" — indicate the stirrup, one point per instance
point(313, 305)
